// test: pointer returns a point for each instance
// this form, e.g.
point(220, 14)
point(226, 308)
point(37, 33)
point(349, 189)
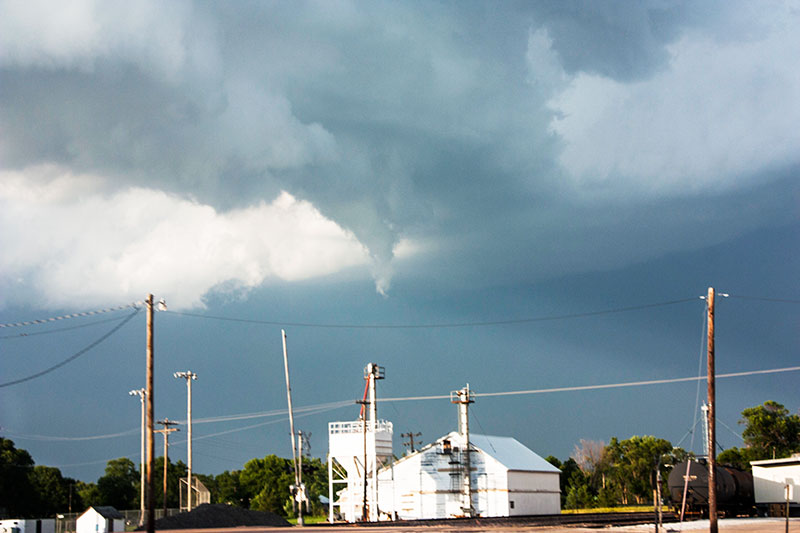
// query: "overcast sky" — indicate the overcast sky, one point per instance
point(356, 164)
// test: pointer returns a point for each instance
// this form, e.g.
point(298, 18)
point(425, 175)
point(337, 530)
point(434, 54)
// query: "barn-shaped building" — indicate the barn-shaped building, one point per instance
point(506, 479)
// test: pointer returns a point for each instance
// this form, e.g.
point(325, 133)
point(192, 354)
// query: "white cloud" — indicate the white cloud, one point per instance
point(67, 241)
point(544, 65)
point(79, 32)
point(716, 118)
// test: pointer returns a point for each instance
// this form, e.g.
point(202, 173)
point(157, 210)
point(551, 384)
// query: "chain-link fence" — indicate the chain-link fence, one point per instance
point(65, 523)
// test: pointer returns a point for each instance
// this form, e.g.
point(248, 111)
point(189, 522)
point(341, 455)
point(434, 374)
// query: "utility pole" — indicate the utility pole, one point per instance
point(364, 403)
point(372, 373)
point(301, 489)
point(189, 376)
point(151, 510)
point(166, 431)
point(712, 435)
point(141, 393)
point(410, 442)
point(297, 478)
point(463, 398)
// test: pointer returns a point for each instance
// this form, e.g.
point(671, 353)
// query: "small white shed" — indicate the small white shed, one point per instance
point(100, 519)
point(506, 479)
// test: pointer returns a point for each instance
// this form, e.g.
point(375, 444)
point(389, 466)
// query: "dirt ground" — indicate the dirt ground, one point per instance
point(748, 525)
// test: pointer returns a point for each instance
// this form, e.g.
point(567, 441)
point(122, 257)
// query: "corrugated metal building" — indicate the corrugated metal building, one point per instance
point(506, 479)
point(772, 478)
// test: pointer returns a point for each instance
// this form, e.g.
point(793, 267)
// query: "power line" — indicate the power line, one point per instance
point(135, 305)
point(73, 356)
point(763, 299)
point(438, 325)
point(49, 438)
point(319, 408)
point(59, 330)
point(304, 411)
point(598, 387)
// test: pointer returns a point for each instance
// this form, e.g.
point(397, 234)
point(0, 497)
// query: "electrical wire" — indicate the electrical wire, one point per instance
point(60, 330)
point(135, 305)
point(699, 373)
point(48, 438)
point(73, 356)
point(731, 430)
point(319, 408)
point(275, 412)
point(598, 387)
point(438, 325)
point(763, 299)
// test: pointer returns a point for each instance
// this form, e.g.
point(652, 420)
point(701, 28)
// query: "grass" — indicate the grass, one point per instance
point(620, 509)
point(309, 520)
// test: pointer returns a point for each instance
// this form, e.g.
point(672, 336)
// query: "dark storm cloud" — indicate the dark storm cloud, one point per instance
point(468, 127)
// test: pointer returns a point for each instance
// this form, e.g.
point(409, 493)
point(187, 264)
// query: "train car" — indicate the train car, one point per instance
point(734, 489)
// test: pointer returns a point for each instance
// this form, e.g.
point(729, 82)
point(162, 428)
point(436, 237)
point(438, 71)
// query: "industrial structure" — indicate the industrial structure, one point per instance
point(458, 475)
point(506, 479)
point(356, 451)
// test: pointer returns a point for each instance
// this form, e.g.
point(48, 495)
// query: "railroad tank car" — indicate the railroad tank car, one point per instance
point(734, 489)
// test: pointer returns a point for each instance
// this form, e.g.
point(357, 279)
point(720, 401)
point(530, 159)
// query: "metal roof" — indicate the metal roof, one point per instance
point(107, 511)
point(786, 461)
point(507, 451)
point(511, 453)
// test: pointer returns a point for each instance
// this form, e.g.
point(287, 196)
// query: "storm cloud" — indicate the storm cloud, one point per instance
point(468, 138)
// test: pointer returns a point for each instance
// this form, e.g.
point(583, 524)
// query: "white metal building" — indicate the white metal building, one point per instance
point(771, 478)
point(506, 479)
point(100, 519)
point(28, 525)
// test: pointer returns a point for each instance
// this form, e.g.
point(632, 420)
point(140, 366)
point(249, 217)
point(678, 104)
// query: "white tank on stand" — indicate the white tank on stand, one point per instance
point(352, 445)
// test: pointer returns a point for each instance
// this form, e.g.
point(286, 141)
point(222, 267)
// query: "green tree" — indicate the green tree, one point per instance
point(266, 482)
point(229, 490)
point(630, 464)
point(315, 478)
point(568, 470)
point(175, 471)
point(88, 493)
point(734, 457)
point(263, 484)
point(52, 490)
point(771, 431)
point(16, 492)
point(119, 486)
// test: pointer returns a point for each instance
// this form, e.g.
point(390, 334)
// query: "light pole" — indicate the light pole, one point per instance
point(141, 393)
point(189, 376)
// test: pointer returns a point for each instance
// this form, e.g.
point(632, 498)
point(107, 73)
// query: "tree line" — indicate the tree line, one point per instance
point(623, 472)
point(596, 475)
point(35, 491)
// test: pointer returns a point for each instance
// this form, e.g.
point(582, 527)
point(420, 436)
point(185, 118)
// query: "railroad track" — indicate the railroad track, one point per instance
point(577, 519)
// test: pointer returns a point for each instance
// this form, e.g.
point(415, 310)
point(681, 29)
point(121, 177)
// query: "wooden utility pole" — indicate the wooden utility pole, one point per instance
point(364, 508)
point(712, 433)
point(410, 442)
point(151, 510)
point(166, 431)
point(297, 480)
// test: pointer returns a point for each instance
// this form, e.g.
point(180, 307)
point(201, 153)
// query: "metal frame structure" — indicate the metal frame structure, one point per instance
point(357, 450)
